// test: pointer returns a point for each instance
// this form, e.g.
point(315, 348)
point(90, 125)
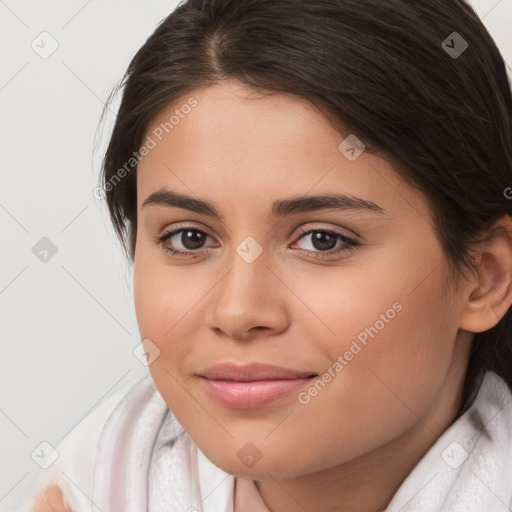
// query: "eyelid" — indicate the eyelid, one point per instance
point(318, 226)
point(183, 226)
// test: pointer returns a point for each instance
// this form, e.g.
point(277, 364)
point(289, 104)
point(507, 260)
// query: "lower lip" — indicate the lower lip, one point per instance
point(251, 395)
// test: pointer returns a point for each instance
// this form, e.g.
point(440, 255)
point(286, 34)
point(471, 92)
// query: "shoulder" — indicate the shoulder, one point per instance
point(56, 486)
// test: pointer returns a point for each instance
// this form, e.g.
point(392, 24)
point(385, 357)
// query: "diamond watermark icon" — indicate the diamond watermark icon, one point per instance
point(44, 45)
point(146, 352)
point(454, 455)
point(249, 249)
point(44, 455)
point(454, 45)
point(249, 454)
point(44, 250)
point(351, 147)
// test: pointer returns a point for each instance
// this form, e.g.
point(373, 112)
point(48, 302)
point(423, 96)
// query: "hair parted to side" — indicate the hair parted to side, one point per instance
point(377, 69)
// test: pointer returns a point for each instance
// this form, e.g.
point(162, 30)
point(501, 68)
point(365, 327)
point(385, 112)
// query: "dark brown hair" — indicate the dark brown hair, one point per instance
point(380, 69)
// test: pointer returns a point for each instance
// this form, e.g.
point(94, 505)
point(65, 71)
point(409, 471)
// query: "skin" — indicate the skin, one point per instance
point(368, 427)
point(50, 500)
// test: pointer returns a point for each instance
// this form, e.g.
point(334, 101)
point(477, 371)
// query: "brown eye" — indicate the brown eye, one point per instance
point(192, 238)
point(184, 241)
point(322, 243)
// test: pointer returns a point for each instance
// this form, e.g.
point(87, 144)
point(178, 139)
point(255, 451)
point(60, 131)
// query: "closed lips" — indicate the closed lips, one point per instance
point(251, 386)
point(252, 372)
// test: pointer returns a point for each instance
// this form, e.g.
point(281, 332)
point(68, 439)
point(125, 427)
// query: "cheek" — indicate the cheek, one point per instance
point(396, 340)
point(164, 295)
point(390, 321)
point(166, 299)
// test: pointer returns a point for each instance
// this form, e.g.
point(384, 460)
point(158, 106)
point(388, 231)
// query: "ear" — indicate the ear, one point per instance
point(490, 292)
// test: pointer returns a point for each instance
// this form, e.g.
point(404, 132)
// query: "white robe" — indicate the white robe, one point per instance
point(131, 455)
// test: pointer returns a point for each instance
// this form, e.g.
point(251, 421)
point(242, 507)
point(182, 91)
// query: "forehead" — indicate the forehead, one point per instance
point(236, 145)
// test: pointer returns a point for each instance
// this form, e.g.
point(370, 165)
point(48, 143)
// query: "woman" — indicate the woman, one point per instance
point(315, 199)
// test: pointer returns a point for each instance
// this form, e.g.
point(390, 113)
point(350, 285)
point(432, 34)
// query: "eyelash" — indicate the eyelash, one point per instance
point(351, 243)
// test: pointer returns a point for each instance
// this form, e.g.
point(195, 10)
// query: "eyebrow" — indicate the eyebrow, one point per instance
point(280, 208)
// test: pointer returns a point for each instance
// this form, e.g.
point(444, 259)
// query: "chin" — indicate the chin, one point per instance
point(276, 466)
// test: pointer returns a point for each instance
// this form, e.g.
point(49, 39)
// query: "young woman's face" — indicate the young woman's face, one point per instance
point(267, 282)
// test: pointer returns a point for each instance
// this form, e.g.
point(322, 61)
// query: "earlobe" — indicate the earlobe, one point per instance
point(490, 293)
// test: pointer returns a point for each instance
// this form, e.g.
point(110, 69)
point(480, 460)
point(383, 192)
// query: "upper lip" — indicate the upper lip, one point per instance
point(252, 372)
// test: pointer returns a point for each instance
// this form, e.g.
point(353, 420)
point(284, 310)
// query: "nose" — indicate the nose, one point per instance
point(249, 301)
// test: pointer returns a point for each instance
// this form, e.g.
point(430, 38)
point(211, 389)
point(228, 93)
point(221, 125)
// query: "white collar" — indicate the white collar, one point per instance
point(146, 459)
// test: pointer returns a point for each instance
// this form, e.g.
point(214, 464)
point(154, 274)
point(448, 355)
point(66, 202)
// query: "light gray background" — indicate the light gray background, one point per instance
point(68, 326)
